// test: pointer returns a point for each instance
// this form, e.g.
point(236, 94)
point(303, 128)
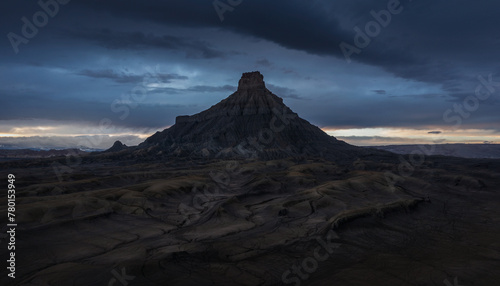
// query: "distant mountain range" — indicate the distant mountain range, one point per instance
point(37, 153)
point(490, 151)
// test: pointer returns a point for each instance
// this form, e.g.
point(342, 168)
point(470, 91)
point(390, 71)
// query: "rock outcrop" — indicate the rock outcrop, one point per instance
point(251, 122)
point(117, 147)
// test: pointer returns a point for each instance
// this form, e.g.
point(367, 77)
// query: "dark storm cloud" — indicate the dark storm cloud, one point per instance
point(289, 24)
point(379, 91)
point(408, 47)
point(122, 77)
point(432, 41)
point(138, 41)
point(434, 132)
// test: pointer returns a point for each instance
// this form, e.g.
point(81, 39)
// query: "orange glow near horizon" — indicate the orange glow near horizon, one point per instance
point(398, 136)
point(355, 136)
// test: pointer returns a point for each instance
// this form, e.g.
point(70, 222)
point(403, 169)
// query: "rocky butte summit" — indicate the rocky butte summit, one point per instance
point(250, 123)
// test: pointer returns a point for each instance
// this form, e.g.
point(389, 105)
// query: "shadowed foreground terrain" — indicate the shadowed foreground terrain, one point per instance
point(246, 222)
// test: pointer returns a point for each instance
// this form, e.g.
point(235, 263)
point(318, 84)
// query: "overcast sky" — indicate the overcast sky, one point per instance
point(368, 72)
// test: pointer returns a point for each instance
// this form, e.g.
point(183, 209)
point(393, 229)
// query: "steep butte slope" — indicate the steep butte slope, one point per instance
point(252, 122)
